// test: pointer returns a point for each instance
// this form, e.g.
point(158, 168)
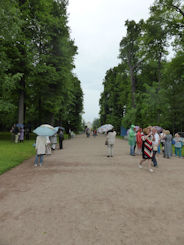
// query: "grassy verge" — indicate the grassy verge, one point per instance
point(13, 154)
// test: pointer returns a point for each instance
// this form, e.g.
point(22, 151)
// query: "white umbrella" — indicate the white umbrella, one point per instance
point(105, 128)
point(45, 130)
point(47, 126)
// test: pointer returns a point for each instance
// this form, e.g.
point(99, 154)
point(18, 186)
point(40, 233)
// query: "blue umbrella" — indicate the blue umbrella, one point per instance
point(45, 130)
point(20, 125)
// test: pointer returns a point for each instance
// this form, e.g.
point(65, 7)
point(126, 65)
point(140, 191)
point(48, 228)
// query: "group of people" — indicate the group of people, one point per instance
point(45, 145)
point(88, 132)
point(17, 133)
point(148, 141)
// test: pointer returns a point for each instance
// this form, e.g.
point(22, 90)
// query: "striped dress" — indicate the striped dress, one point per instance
point(147, 147)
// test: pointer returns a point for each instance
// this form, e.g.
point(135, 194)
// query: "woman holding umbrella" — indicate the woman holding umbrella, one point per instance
point(41, 143)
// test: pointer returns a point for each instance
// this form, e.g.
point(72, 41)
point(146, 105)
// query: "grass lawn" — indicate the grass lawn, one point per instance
point(13, 154)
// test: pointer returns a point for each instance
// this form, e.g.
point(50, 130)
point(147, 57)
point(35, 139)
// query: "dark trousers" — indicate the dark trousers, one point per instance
point(154, 160)
point(60, 143)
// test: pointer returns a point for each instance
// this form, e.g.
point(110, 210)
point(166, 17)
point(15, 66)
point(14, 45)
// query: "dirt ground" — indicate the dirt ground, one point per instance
point(81, 197)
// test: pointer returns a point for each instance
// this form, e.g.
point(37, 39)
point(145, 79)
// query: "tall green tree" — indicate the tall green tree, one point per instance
point(129, 53)
point(38, 85)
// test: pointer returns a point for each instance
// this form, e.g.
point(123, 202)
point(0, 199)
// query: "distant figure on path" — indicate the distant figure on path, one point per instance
point(168, 145)
point(53, 141)
point(132, 139)
point(139, 141)
point(21, 137)
point(12, 131)
point(87, 132)
point(94, 132)
point(162, 141)
point(27, 132)
point(110, 139)
point(61, 138)
point(41, 143)
point(178, 145)
point(156, 143)
point(17, 133)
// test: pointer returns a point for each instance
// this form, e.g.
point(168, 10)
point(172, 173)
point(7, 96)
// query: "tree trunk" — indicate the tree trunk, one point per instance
point(39, 110)
point(133, 88)
point(21, 101)
point(159, 70)
point(159, 79)
point(21, 108)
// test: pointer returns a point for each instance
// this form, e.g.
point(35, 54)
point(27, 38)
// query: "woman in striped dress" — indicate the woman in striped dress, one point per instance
point(147, 148)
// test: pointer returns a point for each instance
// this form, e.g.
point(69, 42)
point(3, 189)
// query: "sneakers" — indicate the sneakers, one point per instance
point(140, 166)
point(35, 165)
point(151, 170)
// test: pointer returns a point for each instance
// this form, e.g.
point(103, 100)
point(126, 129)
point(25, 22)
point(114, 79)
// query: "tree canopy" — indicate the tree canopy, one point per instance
point(147, 87)
point(36, 65)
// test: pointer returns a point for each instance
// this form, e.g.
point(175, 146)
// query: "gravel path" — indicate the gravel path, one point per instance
point(81, 197)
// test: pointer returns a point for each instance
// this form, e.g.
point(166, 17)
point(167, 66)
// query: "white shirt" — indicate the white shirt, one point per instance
point(41, 142)
point(111, 137)
point(157, 139)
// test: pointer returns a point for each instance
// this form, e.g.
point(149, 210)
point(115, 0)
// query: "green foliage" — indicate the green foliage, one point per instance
point(147, 88)
point(36, 63)
point(96, 123)
point(130, 118)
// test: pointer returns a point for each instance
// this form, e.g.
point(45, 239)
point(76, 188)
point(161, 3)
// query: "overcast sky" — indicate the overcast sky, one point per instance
point(97, 26)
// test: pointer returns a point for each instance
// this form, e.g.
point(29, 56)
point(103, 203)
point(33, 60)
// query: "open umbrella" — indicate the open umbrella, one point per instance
point(59, 127)
point(20, 125)
point(45, 130)
point(158, 128)
point(105, 128)
point(137, 128)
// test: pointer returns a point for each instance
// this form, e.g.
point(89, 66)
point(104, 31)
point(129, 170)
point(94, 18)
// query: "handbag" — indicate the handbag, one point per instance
point(106, 142)
point(155, 148)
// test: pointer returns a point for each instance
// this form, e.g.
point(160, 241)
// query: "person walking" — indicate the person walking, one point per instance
point(147, 152)
point(12, 131)
point(27, 132)
point(53, 141)
point(41, 143)
point(21, 137)
point(87, 132)
point(139, 141)
point(178, 145)
point(156, 143)
point(16, 133)
point(132, 139)
point(162, 141)
point(168, 145)
point(61, 138)
point(110, 139)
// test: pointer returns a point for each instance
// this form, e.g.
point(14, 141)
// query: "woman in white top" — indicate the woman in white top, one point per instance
point(110, 139)
point(41, 142)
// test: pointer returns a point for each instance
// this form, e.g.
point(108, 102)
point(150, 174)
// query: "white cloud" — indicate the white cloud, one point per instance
point(98, 27)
